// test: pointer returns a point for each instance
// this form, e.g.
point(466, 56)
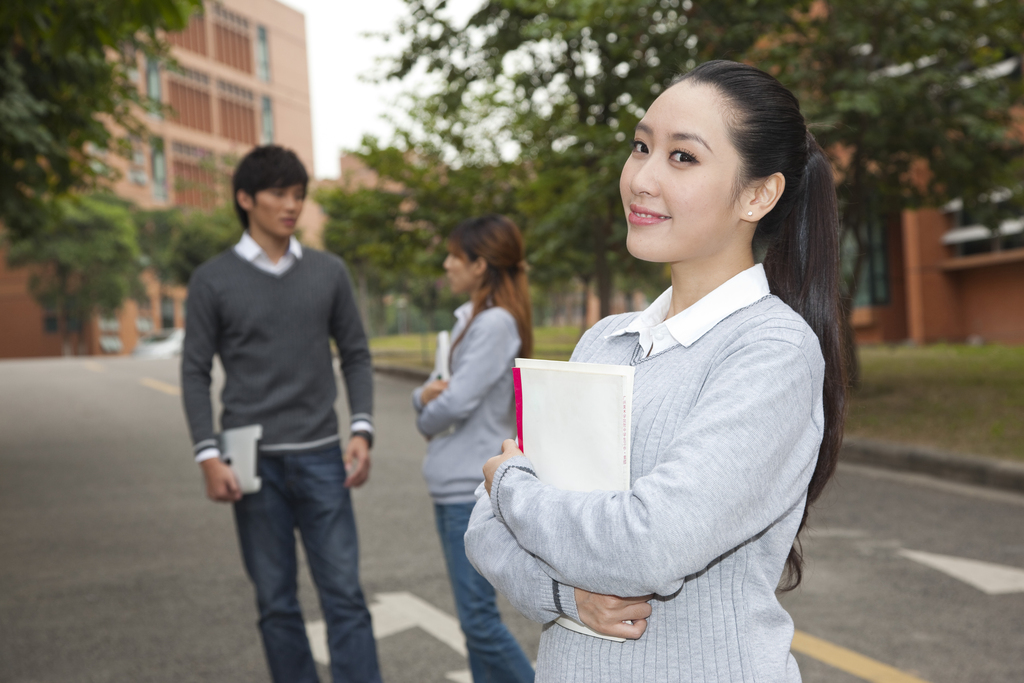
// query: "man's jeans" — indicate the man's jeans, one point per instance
point(306, 492)
point(494, 655)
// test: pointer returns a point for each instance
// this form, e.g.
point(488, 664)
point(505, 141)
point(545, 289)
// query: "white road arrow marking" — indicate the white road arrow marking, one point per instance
point(989, 578)
point(316, 632)
point(393, 613)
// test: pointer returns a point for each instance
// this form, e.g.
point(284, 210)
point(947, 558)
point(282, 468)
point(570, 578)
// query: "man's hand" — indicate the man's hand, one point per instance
point(221, 483)
point(432, 391)
point(509, 449)
point(357, 461)
point(611, 615)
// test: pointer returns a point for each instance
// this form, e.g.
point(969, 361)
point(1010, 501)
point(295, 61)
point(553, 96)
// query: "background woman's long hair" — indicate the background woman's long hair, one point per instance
point(497, 240)
point(801, 235)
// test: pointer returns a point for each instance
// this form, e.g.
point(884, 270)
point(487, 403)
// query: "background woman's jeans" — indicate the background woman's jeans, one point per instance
point(494, 655)
point(305, 491)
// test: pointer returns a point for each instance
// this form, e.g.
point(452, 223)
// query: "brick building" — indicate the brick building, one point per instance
point(935, 275)
point(243, 80)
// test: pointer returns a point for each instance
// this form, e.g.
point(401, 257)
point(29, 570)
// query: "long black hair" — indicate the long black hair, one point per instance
point(800, 235)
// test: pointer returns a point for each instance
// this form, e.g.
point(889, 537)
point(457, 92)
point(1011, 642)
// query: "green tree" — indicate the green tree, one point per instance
point(85, 260)
point(67, 72)
point(914, 103)
point(196, 237)
point(909, 99)
point(563, 84)
point(394, 234)
point(362, 228)
point(177, 240)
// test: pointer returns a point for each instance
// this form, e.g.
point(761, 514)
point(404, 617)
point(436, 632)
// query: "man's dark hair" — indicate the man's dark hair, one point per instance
point(265, 167)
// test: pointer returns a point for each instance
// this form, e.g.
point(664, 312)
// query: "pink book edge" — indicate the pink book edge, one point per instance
point(517, 381)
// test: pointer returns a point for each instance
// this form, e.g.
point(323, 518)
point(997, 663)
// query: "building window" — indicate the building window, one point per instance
point(237, 113)
point(137, 168)
point(267, 132)
point(873, 282)
point(995, 223)
point(153, 88)
point(166, 313)
point(190, 100)
point(50, 323)
point(262, 54)
point(192, 38)
point(158, 169)
point(195, 181)
point(232, 45)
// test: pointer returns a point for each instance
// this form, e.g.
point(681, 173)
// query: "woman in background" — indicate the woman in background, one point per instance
point(467, 417)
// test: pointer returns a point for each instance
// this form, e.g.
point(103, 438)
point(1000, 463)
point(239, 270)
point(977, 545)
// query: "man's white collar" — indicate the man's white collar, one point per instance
point(691, 324)
point(248, 249)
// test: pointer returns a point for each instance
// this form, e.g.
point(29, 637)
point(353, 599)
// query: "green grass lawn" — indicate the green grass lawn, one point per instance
point(956, 398)
point(415, 350)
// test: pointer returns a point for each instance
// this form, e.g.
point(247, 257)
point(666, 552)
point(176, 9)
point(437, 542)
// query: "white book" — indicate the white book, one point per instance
point(573, 422)
point(238, 449)
point(441, 357)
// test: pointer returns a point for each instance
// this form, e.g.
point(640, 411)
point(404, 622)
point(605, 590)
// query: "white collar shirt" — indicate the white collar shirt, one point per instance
point(463, 313)
point(252, 252)
point(658, 334)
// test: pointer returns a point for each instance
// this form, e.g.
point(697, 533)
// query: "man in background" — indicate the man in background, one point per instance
point(268, 307)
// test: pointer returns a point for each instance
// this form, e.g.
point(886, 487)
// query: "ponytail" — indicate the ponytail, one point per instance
point(802, 265)
point(801, 234)
point(498, 241)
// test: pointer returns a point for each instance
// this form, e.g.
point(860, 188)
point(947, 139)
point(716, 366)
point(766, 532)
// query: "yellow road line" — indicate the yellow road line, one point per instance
point(94, 366)
point(160, 386)
point(849, 661)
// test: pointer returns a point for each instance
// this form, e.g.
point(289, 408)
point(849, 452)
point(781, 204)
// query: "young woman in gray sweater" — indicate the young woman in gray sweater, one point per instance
point(467, 417)
point(737, 407)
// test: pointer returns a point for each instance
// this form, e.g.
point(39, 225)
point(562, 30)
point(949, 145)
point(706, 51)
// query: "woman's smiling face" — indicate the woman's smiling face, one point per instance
point(679, 184)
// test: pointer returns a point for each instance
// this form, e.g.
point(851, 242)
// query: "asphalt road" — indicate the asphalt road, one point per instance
point(114, 567)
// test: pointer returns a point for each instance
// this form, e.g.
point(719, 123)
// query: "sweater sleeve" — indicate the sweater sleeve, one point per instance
point(356, 363)
point(201, 334)
point(486, 352)
point(517, 574)
point(740, 459)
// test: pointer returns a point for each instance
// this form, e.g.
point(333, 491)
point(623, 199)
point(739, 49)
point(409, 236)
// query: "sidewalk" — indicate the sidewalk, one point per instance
point(971, 469)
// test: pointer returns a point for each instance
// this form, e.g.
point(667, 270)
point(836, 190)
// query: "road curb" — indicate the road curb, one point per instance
point(971, 469)
point(402, 371)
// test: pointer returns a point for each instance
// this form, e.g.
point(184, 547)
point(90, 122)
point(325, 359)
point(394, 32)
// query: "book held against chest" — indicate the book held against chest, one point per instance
point(573, 423)
point(442, 355)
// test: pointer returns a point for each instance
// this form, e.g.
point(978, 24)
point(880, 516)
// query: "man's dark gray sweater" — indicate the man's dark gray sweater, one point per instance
point(272, 334)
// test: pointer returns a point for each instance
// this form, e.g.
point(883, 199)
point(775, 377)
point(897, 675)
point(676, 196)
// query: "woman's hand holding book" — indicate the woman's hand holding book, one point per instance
point(612, 615)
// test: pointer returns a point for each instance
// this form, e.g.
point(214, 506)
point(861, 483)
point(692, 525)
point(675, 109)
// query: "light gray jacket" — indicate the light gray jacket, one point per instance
point(470, 418)
point(725, 435)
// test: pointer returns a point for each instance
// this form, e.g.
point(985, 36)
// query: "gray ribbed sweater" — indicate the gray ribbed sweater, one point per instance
point(479, 403)
point(273, 337)
point(725, 434)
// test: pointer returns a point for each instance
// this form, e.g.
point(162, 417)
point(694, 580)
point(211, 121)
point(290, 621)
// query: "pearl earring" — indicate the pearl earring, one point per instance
point(750, 213)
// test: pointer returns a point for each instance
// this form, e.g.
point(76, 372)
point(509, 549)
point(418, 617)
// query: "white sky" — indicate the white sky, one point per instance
point(344, 107)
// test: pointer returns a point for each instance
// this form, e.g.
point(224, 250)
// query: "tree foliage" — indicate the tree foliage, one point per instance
point(393, 233)
point(86, 259)
point(914, 102)
point(67, 72)
point(567, 82)
point(901, 93)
